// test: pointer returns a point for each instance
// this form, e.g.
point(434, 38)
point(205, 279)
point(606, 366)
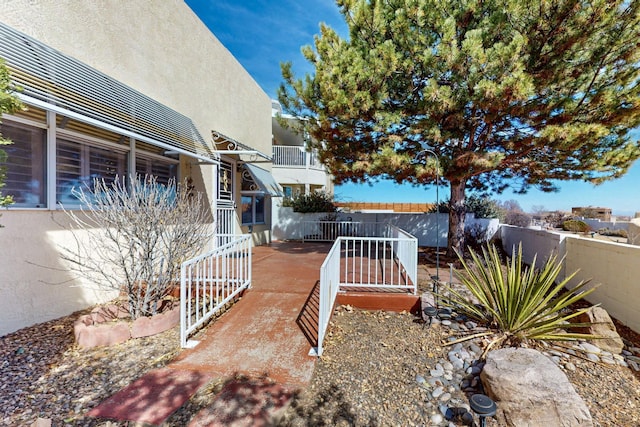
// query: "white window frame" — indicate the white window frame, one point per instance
point(53, 133)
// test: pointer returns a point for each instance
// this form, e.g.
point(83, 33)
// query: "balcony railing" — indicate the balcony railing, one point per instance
point(295, 156)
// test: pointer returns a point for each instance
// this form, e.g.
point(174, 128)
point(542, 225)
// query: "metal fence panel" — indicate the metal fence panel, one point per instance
point(210, 281)
point(387, 262)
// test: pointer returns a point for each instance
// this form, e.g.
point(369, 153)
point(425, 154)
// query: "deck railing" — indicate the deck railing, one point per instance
point(388, 262)
point(329, 286)
point(295, 156)
point(209, 282)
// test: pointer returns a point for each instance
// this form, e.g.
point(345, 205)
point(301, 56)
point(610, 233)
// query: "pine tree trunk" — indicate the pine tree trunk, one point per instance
point(457, 214)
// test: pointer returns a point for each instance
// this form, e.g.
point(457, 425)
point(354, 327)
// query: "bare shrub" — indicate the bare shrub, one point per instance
point(519, 219)
point(133, 238)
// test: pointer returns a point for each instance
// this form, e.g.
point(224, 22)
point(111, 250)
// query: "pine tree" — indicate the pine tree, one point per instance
point(506, 93)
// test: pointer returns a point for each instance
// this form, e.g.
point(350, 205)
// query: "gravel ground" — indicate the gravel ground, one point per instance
point(366, 377)
point(44, 374)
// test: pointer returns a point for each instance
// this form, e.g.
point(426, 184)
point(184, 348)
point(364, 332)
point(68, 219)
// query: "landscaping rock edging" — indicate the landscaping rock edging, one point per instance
point(110, 325)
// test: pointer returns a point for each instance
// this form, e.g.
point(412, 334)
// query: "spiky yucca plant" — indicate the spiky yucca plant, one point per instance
point(518, 303)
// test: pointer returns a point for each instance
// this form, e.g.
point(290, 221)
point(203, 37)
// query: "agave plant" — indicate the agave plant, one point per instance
point(518, 303)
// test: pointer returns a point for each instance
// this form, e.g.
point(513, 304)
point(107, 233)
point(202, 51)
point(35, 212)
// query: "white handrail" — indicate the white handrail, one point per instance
point(295, 156)
point(329, 286)
point(210, 281)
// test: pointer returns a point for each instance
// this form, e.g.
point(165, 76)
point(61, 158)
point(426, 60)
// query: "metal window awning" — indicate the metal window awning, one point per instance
point(231, 146)
point(264, 180)
point(56, 82)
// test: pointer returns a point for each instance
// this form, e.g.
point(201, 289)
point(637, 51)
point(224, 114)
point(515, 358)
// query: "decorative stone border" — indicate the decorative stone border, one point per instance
point(111, 325)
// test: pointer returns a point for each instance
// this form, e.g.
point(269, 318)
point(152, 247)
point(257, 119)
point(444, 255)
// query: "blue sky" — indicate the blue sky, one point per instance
point(261, 34)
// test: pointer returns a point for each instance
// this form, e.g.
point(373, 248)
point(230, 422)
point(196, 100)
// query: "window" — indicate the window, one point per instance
point(162, 170)
point(81, 155)
point(25, 167)
point(253, 209)
point(288, 191)
point(77, 165)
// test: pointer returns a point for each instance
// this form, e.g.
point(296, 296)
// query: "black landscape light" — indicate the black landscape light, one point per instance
point(483, 406)
point(431, 312)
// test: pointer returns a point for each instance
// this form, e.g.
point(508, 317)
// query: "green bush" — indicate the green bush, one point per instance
point(517, 303)
point(556, 218)
point(575, 226)
point(316, 201)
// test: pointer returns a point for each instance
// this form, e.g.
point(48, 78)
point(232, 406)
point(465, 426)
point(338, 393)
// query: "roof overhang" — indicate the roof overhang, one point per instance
point(56, 82)
point(226, 145)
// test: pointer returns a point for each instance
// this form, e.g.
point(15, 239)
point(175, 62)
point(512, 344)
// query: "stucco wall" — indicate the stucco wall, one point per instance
point(634, 232)
point(534, 242)
point(35, 284)
point(596, 224)
point(161, 49)
point(286, 224)
point(614, 266)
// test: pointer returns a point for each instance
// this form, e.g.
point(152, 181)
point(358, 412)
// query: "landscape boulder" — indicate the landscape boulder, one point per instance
point(530, 390)
point(602, 327)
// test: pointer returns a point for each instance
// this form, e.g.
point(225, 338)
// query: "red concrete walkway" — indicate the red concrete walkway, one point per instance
point(267, 334)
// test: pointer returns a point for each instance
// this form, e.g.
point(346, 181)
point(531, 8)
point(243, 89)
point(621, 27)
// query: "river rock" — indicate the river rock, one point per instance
point(530, 390)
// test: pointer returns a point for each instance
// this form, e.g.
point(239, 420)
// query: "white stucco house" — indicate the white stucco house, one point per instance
point(114, 90)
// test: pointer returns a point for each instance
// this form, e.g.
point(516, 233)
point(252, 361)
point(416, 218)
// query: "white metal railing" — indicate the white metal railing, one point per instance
point(329, 231)
point(378, 262)
point(388, 262)
point(314, 161)
point(210, 281)
point(329, 286)
point(288, 156)
point(295, 156)
point(405, 248)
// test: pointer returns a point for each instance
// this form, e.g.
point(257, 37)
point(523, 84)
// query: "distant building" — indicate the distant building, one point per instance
point(603, 214)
